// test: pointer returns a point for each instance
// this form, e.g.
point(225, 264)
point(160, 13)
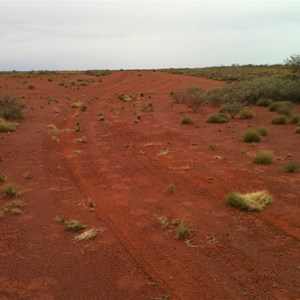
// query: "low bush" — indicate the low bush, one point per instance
point(279, 119)
point(30, 86)
point(251, 136)
point(263, 158)
point(264, 102)
point(297, 130)
point(250, 201)
point(246, 114)
point(218, 118)
point(10, 107)
point(81, 106)
point(182, 231)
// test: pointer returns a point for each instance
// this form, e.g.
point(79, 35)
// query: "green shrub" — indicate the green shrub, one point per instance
point(297, 130)
point(246, 114)
point(251, 136)
point(262, 131)
point(6, 126)
point(292, 167)
point(296, 119)
point(217, 118)
point(10, 107)
point(279, 119)
point(264, 102)
point(187, 120)
point(212, 146)
point(263, 158)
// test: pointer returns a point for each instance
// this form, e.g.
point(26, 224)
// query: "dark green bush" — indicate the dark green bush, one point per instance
point(262, 130)
point(292, 167)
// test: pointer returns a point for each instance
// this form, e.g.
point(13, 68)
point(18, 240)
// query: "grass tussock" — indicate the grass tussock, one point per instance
point(217, 118)
point(74, 225)
point(2, 176)
point(186, 120)
point(292, 167)
point(264, 102)
point(10, 189)
point(297, 130)
point(246, 115)
point(6, 126)
point(263, 158)
point(255, 201)
point(251, 136)
point(10, 107)
point(182, 231)
point(263, 131)
point(279, 119)
point(80, 105)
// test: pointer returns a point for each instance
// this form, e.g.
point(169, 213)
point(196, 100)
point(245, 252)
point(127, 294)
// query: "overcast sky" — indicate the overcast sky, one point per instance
point(73, 35)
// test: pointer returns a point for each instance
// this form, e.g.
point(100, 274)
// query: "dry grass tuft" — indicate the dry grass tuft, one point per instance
point(87, 235)
point(255, 201)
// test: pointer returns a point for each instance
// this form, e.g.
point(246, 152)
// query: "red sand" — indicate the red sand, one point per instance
point(232, 254)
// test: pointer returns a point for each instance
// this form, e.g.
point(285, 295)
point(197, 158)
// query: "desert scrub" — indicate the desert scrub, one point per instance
point(262, 130)
point(246, 114)
point(30, 86)
point(217, 118)
point(186, 120)
point(6, 126)
point(10, 107)
point(279, 119)
point(296, 119)
point(74, 225)
point(292, 167)
point(250, 201)
point(251, 136)
point(182, 231)
point(264, 158)
point(297, 130)
point(264, 102)
point(10, 189)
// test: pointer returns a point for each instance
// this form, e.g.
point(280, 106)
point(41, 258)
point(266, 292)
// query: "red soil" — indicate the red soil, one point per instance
point(232, 254)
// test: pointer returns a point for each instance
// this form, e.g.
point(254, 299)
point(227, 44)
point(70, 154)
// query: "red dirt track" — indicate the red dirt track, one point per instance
point(231, 255)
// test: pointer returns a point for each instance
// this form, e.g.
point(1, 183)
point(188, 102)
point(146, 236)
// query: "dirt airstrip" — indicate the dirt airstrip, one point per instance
point(124, 165)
